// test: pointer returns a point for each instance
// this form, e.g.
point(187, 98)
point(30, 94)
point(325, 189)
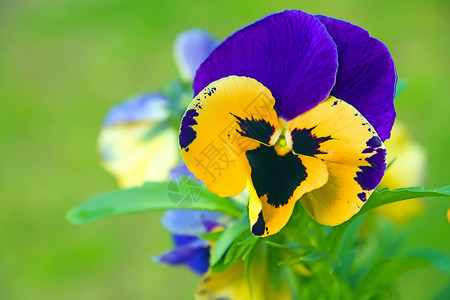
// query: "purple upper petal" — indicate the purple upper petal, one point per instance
point(366, 77)
point(191, 48)
point(290, 52)
point(150, 107)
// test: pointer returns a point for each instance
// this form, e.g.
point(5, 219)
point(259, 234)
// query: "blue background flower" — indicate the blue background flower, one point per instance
point(186, 226)
point(66, 63)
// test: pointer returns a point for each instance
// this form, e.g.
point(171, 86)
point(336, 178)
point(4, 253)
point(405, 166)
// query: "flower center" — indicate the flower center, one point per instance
point(283, 144)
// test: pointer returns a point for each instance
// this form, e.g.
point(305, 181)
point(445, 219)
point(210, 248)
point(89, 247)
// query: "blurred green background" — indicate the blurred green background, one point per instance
point(64, 63)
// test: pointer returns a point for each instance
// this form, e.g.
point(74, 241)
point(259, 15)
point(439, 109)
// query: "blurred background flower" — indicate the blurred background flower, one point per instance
point(139, 138)
point(406, 168)
point(66, 63)
point(137, 142)
point(190, 49)
point(186, 227)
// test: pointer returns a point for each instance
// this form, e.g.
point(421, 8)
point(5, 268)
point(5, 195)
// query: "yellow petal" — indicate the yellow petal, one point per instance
point(277, 182)
point(230, 116)
point(335, 132)
point(134, 160)
point(232, 284)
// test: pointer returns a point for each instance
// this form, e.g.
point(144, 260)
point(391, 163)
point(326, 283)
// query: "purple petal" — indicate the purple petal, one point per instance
point(180, 240)
point(366, 76)
point(189, 222)
point(179, 255)
point(150, 107)
point(199, 263)
point(186, 247)
point(191, 48)
point(290, 52)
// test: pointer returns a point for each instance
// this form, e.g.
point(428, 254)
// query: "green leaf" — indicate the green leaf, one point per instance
point(228, 237)
point(379, 198)
point(152, 196)
point(389, 196)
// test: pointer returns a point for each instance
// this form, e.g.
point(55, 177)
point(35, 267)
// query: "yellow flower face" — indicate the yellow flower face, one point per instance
point(330, 157)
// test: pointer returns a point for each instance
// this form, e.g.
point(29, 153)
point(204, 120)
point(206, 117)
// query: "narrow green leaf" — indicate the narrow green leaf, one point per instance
point(149, 197)
point(211, 236)
point(314, 257)
point(250, 247)
point(237, 250)
point(248, 239)
point(228, 237)
point(289, 245)
point(248, 258)
point(298, 258)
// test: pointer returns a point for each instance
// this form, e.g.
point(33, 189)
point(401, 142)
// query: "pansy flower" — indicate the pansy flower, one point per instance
point(189, 249)
point(292, 107)
point(138, 141)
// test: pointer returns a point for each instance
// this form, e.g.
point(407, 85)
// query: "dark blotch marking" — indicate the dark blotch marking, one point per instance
point(275, 176)
point(367, 150)
point(306, 143)
point(206, 279)
point(187, 133)
point(372, 144)
point(209, 91)
point(370, 176)
point(259, 130)
point(362, 196)
point(334, 103)
point(259, 226)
